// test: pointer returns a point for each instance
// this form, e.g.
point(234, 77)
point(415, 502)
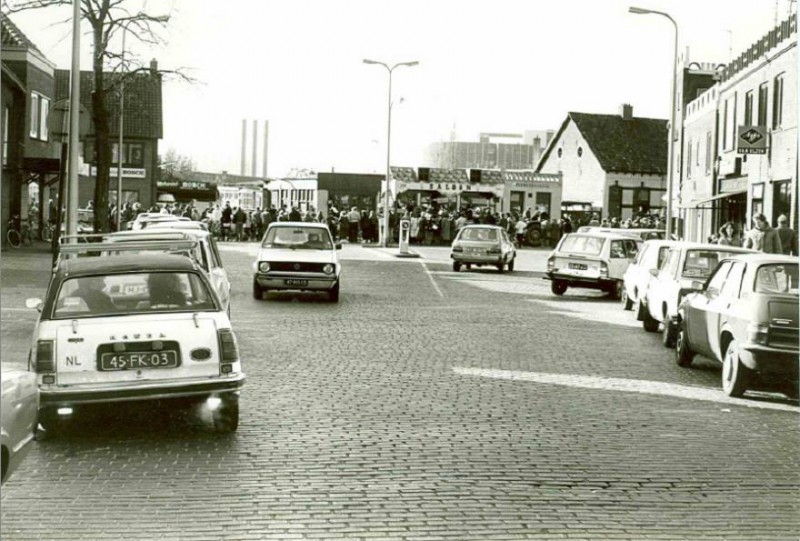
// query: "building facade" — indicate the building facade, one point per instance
point(491, 151)
point(614, 165)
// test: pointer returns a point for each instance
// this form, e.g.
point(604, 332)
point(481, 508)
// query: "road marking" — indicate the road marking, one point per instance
point(623, 385)
point(436, 287)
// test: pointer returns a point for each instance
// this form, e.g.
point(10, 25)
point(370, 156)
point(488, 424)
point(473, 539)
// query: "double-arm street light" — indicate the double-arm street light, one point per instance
point(384, 242)
point(159, 19)
point(671, 142)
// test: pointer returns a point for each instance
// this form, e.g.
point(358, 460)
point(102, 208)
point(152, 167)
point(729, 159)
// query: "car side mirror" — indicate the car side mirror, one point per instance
point(654, 272)
point(698, 286)
point(34, 303)
point(338, 245)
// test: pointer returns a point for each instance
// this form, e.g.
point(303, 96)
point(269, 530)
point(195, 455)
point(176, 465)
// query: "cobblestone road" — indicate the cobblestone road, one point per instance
point(426, 405)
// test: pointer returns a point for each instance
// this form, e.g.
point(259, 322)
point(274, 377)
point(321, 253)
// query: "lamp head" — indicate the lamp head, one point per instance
point(368, 61)
point(638, 11)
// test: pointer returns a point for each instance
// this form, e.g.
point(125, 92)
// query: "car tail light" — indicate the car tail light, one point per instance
point(551, 263)
point(758, 333)
point(263, 267)
point(45, 358)
point(328, 269)
point(458, 248)
point(495, 250)
point(229, 350)
point(603, 269)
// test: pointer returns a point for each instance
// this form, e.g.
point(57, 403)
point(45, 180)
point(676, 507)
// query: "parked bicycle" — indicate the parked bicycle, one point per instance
point(18, 234)
point(47, 231)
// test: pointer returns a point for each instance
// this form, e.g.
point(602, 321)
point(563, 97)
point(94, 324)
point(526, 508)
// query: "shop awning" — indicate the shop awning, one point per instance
point(695, 203)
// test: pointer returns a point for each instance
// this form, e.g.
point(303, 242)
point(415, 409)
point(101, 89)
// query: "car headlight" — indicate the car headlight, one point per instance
point(263, 266)
point(758, 333)
point(328, 269)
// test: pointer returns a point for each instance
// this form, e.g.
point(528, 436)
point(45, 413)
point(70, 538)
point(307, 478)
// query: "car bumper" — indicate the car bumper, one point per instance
point(285, 281)
point(589, 282)
point(770, 361)
point(125, 392)
point(477, 259)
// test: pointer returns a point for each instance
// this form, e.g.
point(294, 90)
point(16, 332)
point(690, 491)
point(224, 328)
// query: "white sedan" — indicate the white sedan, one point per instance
point(637, 276)
point(19, 406)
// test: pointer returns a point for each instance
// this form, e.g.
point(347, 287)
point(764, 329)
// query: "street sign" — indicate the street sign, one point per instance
point(752, 140)
point(58, 121)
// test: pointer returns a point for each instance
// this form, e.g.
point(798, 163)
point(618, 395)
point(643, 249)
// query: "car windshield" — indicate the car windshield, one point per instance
point(582, 244)
point(700, 263)
point(298, 238)
point(777, 278)
point(132, 293)
point(479, 234)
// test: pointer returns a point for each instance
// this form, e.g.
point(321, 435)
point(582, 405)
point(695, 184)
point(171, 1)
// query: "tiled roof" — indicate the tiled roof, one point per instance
point(635, 145)
point(12, 37)
point(404, 174)
point(143, 107)
point(530, 176)
point(448, 175)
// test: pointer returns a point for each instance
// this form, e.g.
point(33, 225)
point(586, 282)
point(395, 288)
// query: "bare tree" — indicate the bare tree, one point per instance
point(107, 18)
point(175, 166)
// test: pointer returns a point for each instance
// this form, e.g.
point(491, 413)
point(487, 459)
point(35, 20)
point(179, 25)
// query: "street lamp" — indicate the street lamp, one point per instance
point(670, 149)
point(159, 19)
point(385, 234)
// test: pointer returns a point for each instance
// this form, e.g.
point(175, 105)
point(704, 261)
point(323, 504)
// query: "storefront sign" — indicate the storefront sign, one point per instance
point(752, 140)
point(451, 188)
point(127, 172)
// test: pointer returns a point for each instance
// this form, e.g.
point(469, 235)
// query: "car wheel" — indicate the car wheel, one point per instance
point(683, 353)
point(641, 308)
point(456, 266)
point(791, 389)
point(469, 266)
point(627, 303)
point(511, 264)
point(501, 267)
point(735, 375)
point(616, 289)
point(558, 287)
point(668, 334)
point(226, 417)
point(333, 294)
point(258, 291)
point(649, 324)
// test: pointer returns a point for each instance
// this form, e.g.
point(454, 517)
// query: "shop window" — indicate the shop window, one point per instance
point(757, 195)
point(543, 202)
point(781, 199)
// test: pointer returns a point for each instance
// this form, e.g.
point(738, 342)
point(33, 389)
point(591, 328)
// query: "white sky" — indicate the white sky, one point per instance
point(485, 66)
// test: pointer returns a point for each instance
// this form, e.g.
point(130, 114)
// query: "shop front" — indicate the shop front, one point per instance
point(450, 195)
point(188, 191)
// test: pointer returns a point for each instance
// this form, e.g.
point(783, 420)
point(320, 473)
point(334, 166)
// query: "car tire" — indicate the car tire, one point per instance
point(668, 335)
point(469, 266)
point(501, 267)
point(615, 290)
point(648, 323)
point(683, 353)
point(791, 389)
point(226, 417)
point(258, 291)
point(735, 375)
point(558, 287)
point(641, 308)
point(627, 303)
point(456, 266)
point(333, 294)
point(511, 264)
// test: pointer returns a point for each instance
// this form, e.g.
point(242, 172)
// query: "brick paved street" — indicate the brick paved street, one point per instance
point(426, 405)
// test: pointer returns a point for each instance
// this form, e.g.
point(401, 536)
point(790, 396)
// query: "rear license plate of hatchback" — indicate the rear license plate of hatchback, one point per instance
point(296, 282)
point(578, 266)
point(138, 359)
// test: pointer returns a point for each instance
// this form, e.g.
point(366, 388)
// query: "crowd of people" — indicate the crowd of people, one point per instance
point(761, 237)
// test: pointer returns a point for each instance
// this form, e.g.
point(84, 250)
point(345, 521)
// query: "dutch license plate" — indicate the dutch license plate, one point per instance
point(296, 282)
point(578, 266)
point(139, 359)
point(475, 251)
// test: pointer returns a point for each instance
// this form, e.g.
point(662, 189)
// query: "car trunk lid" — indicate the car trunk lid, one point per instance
point(783, 323)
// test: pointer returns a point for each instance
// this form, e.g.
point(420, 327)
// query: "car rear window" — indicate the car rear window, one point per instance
point(777, 278)
point(126, 294)
point(303, 238)
point(582, 244)
point(479, 234)
point(700, 263)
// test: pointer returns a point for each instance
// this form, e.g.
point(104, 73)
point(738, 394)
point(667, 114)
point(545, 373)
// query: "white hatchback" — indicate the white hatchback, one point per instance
point(637, 277)
point(298, 256)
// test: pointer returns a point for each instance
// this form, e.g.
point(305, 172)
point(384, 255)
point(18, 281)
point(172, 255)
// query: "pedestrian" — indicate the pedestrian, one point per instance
point(763, 237)
point(353, 219)
point(520, 228)
point(727, 235)
point(787, 235)
point(239, 219)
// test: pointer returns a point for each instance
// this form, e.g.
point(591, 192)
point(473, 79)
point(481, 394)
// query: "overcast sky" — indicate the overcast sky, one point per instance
point(484, 66)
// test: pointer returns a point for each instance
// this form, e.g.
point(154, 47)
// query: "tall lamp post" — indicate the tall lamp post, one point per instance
point(671, 135)
point(385, 230)
point(160, 19)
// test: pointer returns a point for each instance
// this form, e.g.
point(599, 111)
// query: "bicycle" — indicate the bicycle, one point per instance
point(15, 236)
point(47, 231)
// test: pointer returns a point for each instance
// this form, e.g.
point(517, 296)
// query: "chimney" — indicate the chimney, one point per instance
point(154, 67)
point(244, 145)
point(266, 147)
point(626, 111)
point(253, 162)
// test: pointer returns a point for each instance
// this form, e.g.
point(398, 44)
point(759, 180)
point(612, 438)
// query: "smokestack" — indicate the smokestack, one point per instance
point(266, 146)
point(254, 162)
point(244, 144)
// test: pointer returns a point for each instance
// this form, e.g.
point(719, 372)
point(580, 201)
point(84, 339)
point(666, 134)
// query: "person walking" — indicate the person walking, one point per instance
point(728, 236)
point(763, 237)
point(787, 235)
point(353, 219)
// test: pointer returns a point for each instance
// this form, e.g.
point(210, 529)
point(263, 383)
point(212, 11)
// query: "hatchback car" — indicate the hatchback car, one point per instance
point(206, 252)
point(591, 260)
point(297, 256)
point(746, 317)
point(685, 263)
point(483, 245)
point(19, 405)
point(637, 277)
point(133, 328)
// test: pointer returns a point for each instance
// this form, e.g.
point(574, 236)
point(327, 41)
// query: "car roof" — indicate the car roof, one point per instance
point(605, 234)
point(156, 233)
point(481, 226)
point(662, 242)
point(298, 224)
point(759, 257)
point(194, 228)
point(87, 266)
point(714, 247)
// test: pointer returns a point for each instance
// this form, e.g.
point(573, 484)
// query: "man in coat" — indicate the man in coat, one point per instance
point(762, 237)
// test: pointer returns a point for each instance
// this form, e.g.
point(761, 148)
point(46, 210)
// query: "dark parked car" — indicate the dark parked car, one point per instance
point(746, 317)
